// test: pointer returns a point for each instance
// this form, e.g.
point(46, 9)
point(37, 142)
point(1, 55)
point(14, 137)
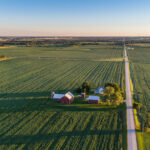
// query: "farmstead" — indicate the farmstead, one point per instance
point(63, 98)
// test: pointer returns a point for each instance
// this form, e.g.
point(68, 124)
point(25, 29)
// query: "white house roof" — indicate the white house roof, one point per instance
point(58, 96)
point(99, 90)
point(95, 98)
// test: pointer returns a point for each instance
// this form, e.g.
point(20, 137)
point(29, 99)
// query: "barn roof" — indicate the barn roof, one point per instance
point(69, 95)
point(58, 96)
point(95, 98)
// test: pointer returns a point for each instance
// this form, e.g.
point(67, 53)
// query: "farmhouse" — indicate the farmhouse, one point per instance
point(67, 98)
point(93, 99)
point(99, 90)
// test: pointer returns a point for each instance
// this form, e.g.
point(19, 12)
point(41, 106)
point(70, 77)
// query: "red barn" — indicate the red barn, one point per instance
point(93, 99)
point(67, 98)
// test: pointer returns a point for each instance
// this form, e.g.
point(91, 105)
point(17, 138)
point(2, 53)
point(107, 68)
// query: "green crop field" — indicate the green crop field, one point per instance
point(140, 74)
point(53, 126)
point(72, 52)
point(140, 66)
point(30, 120)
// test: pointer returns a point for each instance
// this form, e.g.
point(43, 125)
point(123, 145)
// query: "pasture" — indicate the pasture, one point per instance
point(30, 120)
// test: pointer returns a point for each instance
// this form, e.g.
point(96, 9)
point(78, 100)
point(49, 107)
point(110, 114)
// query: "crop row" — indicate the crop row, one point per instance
point(57, 75)
point(65, 130)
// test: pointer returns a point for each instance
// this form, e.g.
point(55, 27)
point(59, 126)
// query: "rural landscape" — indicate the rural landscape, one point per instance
point(31, 68)
point(74, 75)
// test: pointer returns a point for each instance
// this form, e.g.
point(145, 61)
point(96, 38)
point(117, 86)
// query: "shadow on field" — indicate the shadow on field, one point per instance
point(131, 130)
point(40, 101)
point(24, 95)
point(26, 139)
point(129, 107)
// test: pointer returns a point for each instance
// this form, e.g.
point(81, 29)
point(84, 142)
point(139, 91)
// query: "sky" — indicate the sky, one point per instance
point(74, 17)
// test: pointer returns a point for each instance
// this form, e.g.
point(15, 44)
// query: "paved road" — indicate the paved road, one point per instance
point(132, 142)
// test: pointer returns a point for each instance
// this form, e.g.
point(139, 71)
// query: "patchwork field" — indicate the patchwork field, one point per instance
point(30, 120)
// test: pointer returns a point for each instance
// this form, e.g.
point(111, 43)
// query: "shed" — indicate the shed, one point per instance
point(67, 98)
point(57, 97)
point(99, 90)
point(93, 99)
point(82, 96)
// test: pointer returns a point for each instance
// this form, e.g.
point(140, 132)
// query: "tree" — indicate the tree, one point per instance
point(117, 98)
point(108, 102)
point(143, 115)
point(147, 123)
point(137, 106)
point(79, 90)
point(113, 93)
point(123, 94)
point(108, 92)
point(114, 85)
point(86, 87)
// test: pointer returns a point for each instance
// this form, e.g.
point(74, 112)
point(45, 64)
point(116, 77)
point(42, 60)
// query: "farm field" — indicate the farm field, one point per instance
point(140, 66)
point(30, 120)
point(140, 74)
point(53, 126)
point(92, 52)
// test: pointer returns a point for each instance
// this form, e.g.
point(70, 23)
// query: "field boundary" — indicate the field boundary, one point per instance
point(74, 59)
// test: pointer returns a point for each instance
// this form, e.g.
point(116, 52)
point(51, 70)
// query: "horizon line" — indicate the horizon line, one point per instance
point(1, 36)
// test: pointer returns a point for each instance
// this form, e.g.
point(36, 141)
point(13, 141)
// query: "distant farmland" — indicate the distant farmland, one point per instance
point(29, 120)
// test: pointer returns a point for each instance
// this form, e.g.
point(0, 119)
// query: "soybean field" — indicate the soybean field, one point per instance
point(140, 66)
point(29, 119)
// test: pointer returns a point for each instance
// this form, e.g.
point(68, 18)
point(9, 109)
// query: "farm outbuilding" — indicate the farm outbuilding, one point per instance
point(93, 99)
point(67, 98)
point(57, 97)
point(99, 90)
point(82, 96)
